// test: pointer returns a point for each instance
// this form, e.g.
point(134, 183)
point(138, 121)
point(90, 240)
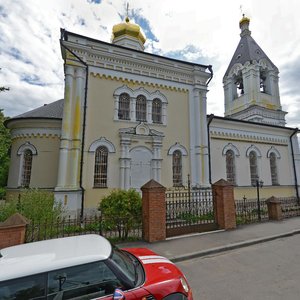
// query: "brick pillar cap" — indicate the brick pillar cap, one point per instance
point(272, 200)
point(15, 219)
point(152, 184)
point(222, 182)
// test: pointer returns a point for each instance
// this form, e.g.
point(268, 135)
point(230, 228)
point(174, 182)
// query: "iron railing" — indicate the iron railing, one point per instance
point(247, 211)
point(189, 207)
point(114, 229)
point(290, 207)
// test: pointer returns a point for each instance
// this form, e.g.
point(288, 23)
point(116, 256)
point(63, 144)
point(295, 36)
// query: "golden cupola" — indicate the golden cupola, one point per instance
point(128, 35)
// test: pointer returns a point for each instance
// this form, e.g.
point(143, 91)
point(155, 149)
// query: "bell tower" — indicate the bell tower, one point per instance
point(251, 83)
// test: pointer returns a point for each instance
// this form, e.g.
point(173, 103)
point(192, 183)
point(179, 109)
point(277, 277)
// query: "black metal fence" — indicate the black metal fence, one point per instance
point(189, 211)
point(290, 207)
point(247, 211)
point(114, 229)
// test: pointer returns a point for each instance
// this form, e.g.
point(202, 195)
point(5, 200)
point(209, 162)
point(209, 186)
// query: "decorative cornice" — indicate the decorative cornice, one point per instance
point(35, 132)
point(108, 57)
point(246, 136)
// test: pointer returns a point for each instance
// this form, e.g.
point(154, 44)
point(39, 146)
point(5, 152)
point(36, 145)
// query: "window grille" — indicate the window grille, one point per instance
point(124, 107)
point(253, 167)
point(156, 111)
point(141, 108)
point(177, 168)
point(27, 164)
point(100, 173)
point(230, 167)
point(273, 167)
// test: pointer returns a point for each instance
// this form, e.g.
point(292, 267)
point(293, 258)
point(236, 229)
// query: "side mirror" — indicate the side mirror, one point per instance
point(118, 295)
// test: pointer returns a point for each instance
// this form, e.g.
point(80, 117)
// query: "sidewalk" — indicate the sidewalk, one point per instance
point(202, 244)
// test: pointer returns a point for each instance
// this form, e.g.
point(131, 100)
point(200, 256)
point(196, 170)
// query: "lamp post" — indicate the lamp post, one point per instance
point(258, 184)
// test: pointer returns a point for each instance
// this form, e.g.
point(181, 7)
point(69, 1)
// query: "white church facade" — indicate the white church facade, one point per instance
point(129, 116)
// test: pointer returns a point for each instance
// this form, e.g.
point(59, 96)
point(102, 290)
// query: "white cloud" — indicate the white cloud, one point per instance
point(33, 69)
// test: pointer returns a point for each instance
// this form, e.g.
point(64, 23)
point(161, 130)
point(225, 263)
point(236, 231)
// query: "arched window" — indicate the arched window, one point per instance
point(26, 168)
point(100, 172)
point(141, 108)
point(230, 167)
point(273, 167)
point(177, 168)
point(124, 107)
point(156, 111)
point(253, 167)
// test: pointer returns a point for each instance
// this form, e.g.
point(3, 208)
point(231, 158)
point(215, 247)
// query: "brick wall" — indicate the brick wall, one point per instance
point(12, 231)
point(154, 211)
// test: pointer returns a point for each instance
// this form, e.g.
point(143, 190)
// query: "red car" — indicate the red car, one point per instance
point(88, 267)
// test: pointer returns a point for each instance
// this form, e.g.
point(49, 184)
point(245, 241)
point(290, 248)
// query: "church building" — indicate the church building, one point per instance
point(129, 116)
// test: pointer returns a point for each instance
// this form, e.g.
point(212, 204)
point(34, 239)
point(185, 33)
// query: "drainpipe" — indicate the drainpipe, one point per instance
point(294, 165)
point(209, 67)
point(83, 124)
point(210, 118)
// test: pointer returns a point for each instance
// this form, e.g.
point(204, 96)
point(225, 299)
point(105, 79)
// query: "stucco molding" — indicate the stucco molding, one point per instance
point(255, 149)
point(275, 151)
point(35, 132)
point(102, 142)
point(230, 146)
point(27, 146)
point(177, 146)
point(240, 135)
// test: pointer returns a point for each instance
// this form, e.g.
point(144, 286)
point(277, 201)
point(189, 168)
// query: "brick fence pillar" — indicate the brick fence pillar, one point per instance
point(274, 209)
point(12, 231)
point(154, 211)
point(224, 205)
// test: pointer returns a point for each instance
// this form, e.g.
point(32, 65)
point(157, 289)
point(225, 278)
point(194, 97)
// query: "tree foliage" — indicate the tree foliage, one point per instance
point(121, 210)
point(34, 204)
point(5, 143)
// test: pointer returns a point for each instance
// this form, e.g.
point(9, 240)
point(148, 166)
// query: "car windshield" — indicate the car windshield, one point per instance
point(125, 263)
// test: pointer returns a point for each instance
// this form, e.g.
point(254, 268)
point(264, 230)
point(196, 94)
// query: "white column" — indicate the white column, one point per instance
point(116, 113)
point(77, 115)
point(204, 142)
point(125, 163)
point(133, 109)
point(149, 112)
point(164, 113)
point(193, 166)
point(65, 141)
point(197, 139)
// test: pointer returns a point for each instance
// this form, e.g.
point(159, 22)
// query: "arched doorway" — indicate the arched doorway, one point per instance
point(140, 167)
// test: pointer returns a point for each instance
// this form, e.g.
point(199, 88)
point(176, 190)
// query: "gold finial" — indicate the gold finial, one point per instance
point(127, 9)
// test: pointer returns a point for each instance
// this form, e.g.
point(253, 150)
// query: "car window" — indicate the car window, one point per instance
point(30, 287)
point(92, 280)
point(124, 262)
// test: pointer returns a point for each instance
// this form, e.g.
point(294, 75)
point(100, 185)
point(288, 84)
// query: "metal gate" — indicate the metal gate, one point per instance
point(189, 211)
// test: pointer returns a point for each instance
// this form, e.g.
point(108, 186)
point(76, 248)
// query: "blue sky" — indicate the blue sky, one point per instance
point(206, 32)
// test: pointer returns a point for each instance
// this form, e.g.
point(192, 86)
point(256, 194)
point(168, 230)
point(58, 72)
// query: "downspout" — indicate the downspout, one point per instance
point(210, 118)
point(294, 165)
point(209, 67)
point(83, 124)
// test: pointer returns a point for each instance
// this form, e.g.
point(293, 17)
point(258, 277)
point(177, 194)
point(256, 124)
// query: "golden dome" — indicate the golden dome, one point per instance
point(244, 20)
point(129, 29)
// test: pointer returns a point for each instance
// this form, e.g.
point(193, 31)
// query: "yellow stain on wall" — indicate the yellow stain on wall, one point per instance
point(76, 126)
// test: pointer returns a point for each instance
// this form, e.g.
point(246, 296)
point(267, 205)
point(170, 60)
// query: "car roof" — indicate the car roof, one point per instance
point(43, 256)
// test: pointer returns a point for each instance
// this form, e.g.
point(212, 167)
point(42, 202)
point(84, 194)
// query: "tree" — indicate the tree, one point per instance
point(5, 143)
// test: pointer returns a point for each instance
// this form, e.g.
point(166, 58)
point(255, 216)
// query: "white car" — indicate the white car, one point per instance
point(88, 267)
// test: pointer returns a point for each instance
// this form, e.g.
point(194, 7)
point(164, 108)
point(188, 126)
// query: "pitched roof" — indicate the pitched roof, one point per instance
point(52, 110)
point(247, 50)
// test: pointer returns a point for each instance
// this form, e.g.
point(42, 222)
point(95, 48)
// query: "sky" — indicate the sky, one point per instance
point(204, 32)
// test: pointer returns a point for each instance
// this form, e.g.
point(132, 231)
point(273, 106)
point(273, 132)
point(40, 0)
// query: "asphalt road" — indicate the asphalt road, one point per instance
point(264, 271)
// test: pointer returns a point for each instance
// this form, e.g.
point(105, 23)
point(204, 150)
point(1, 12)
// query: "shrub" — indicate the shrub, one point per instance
point(121, 211)
point(34, 204)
